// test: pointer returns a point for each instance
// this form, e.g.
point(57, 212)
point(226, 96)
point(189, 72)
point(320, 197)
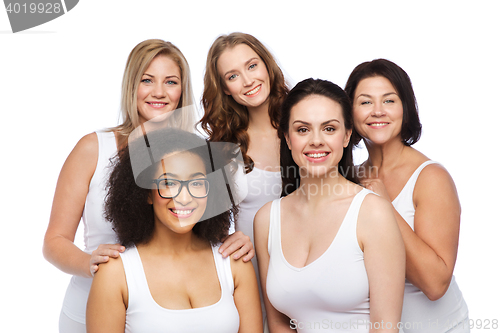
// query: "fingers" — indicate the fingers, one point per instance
point(238, 245)
point(102, 255)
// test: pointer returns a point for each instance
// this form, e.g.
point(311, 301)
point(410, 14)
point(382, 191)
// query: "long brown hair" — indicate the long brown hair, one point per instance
point(224, 119)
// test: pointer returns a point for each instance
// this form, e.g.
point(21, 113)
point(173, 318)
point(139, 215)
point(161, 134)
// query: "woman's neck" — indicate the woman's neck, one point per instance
point(387, 156)
point(169, 242)
point(258, 118)
point(317, 189)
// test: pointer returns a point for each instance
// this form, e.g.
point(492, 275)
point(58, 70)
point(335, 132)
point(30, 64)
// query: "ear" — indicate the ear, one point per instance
point(150, 198)
point(347, 138)
point(225, 90)
point(287, 139)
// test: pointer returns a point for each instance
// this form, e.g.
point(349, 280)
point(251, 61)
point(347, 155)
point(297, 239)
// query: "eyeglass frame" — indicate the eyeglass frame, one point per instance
point(184, 183)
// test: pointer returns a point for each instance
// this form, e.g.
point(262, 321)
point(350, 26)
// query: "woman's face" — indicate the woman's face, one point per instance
point(377, 110)
point(180, 213)
point(245, 76)
point(317, 135)
point(160, 89)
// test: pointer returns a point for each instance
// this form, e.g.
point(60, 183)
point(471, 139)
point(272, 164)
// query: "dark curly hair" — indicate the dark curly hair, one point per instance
point(290, 174)
point(126, 203)
point(411, 128)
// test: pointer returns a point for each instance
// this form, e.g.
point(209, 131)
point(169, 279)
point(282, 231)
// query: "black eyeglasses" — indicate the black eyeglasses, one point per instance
point(170, 188)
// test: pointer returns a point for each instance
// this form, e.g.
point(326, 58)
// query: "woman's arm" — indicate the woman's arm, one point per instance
point(431, 250)
point(384, 257)
point(108, 299)
point(276, 321)
point(246, 296)
point(67, 207)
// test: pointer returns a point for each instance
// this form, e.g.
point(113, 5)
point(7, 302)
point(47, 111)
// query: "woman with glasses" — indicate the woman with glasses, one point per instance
point(172, 217)
point(156, 87)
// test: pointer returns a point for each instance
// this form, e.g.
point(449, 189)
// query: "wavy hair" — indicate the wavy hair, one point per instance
point(224, 119)
point(138, 61)
point(411, 128)
point(290, 174)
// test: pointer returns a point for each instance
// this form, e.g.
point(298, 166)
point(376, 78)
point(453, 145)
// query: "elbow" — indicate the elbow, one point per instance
point(437, 290)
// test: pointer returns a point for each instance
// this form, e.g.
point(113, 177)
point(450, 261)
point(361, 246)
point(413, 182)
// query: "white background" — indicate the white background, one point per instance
point(61, 80)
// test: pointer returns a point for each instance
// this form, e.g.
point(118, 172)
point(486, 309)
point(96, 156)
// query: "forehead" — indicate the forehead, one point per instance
point(374, 85)
point(182, 164)
point(316, 109)
point(233, 57)
point(164, 65)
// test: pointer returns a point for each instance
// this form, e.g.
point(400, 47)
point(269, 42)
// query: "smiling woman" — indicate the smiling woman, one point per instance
point(171, 278)
point(324, 249)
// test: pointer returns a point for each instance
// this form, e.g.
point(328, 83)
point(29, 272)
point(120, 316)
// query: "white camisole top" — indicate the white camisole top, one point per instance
point(145, 315)
point(421, 315)
point(329, 294)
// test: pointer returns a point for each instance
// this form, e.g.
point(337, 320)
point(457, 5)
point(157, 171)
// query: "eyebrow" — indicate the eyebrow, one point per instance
point(370, 96)
point(168, 77)
point(192, 176)
point(323, 123)
point(246, 64)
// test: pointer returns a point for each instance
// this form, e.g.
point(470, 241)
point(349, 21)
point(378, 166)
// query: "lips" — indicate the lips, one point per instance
point(378, 124)
point(317, 156)
point(253, 91)
point(181, 213)
point(157, 105)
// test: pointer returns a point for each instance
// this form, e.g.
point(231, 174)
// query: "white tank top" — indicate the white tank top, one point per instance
point(421, 315)
point(260, 187)
point(329, 294)
point(96, 229)
point(145, 315)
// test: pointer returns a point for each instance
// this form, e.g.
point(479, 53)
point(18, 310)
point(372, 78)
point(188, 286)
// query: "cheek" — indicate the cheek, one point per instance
point(175, 94)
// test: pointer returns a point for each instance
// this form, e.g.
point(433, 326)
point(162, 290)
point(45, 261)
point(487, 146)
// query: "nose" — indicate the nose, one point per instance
point(316, 139)
point(378, 110)
point(159, 90)
point(184, 197)
point(247, 80)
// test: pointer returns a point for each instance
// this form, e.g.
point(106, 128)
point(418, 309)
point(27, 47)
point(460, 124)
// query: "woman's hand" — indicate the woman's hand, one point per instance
point(239, 245)
point(376, 185)
point(102, 254)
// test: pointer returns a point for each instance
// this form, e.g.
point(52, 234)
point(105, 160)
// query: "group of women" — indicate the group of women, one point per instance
point(367, 248)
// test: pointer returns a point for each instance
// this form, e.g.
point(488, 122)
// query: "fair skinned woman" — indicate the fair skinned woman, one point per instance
point(330, 254)
point(424, 197)
point(171, 278)
point(155, 83)
point(244, 88)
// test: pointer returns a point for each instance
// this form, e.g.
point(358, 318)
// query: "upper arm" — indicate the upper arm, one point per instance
point(277, 321)
point(246, 296)
point(106, 305)
point(72, 188)
point(384, 257)
point(437, 213)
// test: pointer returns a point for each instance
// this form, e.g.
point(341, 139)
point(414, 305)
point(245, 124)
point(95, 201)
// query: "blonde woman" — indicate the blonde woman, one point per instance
point(156, 85)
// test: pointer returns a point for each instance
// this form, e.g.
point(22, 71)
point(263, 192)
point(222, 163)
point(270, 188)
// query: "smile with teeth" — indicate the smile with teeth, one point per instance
point(378, 124)
point(317, 155)
point(254, 90)
point(157, 104)
point(182, 211)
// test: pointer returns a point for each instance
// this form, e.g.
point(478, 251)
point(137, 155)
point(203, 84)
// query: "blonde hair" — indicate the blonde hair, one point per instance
point(225, 119)
point(137, 63)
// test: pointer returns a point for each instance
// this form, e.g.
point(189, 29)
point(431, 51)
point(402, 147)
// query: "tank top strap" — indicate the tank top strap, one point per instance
point(137, 283)
point(223, 267)
point(410, 184)
point(351, 217)
point(273, 240)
